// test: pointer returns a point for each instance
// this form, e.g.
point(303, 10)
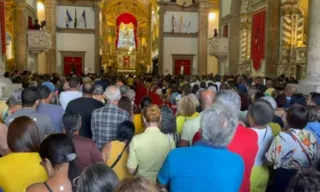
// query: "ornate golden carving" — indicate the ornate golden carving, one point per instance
point(9, 27)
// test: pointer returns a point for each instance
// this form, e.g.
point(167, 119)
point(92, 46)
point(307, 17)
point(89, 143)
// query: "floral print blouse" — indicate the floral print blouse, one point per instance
point(286, 152)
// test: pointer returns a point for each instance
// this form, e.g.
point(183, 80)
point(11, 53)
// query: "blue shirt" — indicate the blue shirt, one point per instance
point(202, 168)
point(314, 127)
point(55, 112)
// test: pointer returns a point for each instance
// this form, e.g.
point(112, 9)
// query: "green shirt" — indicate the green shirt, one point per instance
point(148, 152)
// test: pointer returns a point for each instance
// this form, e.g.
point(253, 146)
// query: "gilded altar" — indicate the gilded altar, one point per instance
point(126, 45)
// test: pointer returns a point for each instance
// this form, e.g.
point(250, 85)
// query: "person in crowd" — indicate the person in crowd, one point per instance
point(148, 150)
point(98, 178)
point(291, 150)
point(105, 120)
point(168, 123)
point(14, 104)
point(137, 119)
point(137, 184)
point(289, 90)
point(4, 149)
point(30, 100)
point(269, 84)
point(72, 93)
point(54, 91)
point(21, 167)
point(115, 153)
point(244, 142)
point(85, 105)
point(209, 155)
point(281, 101)
point(276, 124)
point(298, 98)
point(260, 114)
point(125, 104)
point(191, 127)
point(131, 94)
point(98, 94)
point(314, 99)
point(55, 112)
point(86, 150)
point(58, 158)
point(307, 179)
point(245, 103)
point(314, 121)
point(186, 110)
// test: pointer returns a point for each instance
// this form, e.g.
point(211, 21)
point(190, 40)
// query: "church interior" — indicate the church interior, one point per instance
point(193, 37)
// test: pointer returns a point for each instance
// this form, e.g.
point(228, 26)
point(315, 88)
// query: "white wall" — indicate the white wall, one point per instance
point(213, 23)
point(77, 42)
point(32, 3)
point(226, 7)
point(62, 17)
point(187, 17)
point(175, 45)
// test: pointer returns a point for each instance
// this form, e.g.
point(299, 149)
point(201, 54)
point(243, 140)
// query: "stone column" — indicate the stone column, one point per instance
point(97, 38)
point(161, 39)
point(21, 27)
point(203, 37)
point(312, 81)
point(51, 61)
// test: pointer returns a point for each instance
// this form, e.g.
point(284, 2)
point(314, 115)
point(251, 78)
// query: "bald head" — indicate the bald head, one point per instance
point(207, 98)
point(112, 94)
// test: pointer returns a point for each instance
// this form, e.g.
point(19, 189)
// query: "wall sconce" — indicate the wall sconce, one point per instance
point(212, 16)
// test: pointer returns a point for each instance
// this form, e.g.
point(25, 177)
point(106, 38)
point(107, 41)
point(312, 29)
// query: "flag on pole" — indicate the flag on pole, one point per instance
point(181, 23)
point(68, 19)
point(83, 16)
point(75, 18)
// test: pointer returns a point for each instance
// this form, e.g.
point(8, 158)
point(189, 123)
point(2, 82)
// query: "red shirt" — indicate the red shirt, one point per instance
point(245, 144)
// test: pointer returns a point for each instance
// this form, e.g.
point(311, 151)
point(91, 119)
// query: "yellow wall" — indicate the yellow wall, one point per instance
point(213, 23)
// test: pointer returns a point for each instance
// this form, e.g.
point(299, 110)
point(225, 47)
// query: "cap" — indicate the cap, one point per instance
point(49, 85)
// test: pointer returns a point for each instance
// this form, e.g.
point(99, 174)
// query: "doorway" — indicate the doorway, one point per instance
point(182, 64)
point(72, 62)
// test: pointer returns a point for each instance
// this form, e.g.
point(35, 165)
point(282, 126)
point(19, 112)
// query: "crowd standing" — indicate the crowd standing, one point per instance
point(125, 133)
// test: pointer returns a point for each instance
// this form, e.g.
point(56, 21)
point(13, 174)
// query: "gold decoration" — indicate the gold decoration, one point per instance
point(9, 28)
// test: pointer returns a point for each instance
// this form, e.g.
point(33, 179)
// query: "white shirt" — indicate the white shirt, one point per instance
point(67, 96)
point(265, 138)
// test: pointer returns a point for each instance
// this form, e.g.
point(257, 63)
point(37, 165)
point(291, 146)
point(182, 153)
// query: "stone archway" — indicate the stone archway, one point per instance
point(272, 35)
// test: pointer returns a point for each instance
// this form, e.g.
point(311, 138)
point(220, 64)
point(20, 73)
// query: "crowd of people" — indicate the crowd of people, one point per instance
point(125, 133)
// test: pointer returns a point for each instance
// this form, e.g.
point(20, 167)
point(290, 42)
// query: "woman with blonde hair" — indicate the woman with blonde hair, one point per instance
point(136, 184)
point(149, 149)
point(187, 107)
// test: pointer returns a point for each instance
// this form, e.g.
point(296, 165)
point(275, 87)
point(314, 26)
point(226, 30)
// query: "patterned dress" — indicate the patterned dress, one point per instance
point(293, 149)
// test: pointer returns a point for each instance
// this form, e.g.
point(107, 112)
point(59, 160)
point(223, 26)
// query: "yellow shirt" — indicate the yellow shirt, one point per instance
point(148, 152)
point(182, 119)
point(138, 124)
point(120, 168)
point(20, 170)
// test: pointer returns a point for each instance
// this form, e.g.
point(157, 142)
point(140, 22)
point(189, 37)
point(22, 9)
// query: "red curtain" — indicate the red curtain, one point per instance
point(186, 67)
point(3, 33)
point(127, 18)
point(72, 64)
point(258, 38)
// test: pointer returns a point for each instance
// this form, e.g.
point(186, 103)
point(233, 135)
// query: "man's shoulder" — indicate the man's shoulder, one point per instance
point(51, 107)
point(244, 131)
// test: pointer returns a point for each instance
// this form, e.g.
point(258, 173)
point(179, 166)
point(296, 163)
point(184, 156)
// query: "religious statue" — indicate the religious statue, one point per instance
point(126, 36)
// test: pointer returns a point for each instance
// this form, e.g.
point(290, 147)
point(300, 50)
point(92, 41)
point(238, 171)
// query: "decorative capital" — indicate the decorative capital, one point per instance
point(39, 41)
point(218, 47)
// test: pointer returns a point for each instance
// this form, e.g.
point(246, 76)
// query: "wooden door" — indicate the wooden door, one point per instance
point(72, 65)
point(182, 66)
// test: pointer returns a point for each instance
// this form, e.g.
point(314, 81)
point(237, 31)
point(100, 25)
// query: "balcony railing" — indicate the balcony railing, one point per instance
point(38, 41)
point(219, 47)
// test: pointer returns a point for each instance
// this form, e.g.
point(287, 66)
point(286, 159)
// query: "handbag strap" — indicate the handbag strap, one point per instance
point(119, 156)
point(303, 149)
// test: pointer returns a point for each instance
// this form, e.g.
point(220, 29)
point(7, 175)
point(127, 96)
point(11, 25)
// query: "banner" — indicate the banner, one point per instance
point(258, 38)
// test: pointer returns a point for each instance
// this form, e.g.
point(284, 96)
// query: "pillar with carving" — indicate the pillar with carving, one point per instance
point(312, 81)
point(21, 28)
point(203, 37)
point(161, 39)
point(51, 12)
